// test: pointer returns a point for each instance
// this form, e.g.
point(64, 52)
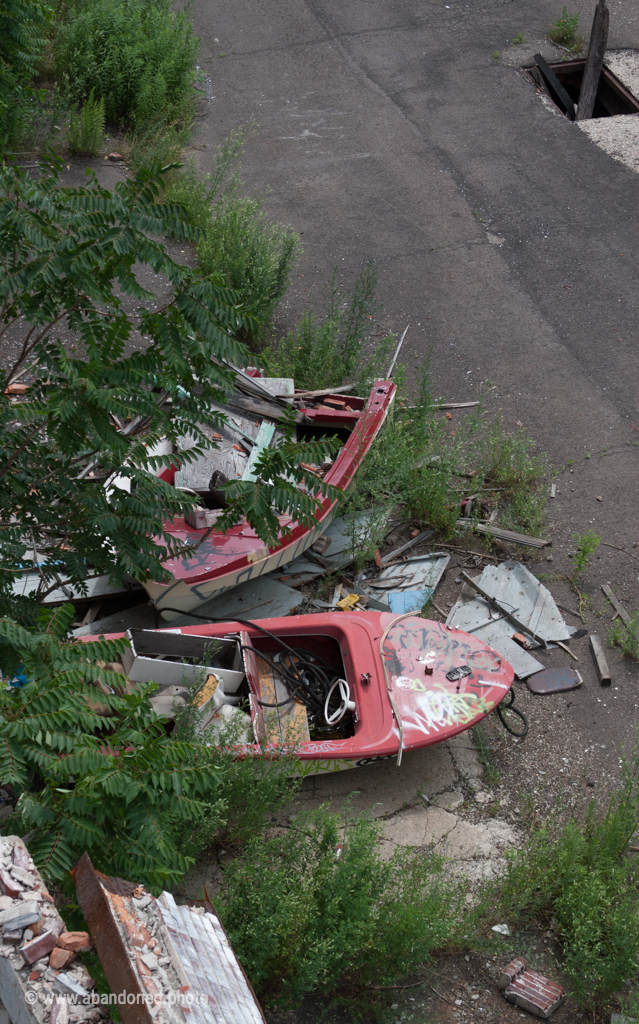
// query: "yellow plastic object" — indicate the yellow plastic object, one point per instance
point(210, 686)
point(347, 602)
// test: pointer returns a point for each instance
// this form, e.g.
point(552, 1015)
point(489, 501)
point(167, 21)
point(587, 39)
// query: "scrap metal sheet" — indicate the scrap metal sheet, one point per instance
point(520, 592)
point(412, 582)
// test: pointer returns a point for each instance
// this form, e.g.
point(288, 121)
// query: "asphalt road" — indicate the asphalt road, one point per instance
point(502, 235)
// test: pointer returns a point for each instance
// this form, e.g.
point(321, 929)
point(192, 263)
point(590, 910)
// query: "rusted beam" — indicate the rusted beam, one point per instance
point(108, 943)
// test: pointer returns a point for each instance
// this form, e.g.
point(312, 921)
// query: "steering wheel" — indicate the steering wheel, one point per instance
point(346, 704)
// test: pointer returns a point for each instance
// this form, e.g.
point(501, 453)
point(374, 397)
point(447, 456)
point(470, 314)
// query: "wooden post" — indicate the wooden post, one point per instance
point(594, 61)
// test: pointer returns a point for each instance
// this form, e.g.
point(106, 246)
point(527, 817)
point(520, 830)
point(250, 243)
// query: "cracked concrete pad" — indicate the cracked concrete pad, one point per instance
point(417, 827)
point(450, 801)
point(476, 849)
point(383, 788)
point(466, 760)
point(488, 839)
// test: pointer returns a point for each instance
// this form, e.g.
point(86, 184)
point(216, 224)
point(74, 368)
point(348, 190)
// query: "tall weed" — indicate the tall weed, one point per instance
point(625, 636)
point(137, 55)
point(252, 792)
point(325, 351)
point(418, 462)
point(314, 907)
point(237, 240)
point(86, 128)
point(252, 254)
point(578, 876)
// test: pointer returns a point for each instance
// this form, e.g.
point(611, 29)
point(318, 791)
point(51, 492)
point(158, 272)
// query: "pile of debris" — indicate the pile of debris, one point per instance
point(39, 966)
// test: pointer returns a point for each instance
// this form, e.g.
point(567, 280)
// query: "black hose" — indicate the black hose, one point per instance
point(292, 674)
point(510, 706)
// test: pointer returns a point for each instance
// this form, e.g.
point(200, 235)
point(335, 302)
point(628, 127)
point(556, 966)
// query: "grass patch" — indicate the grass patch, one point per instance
point(577, 878)
point(427, 468)
point(565, 31)
point(86, 128)
point(326, 350)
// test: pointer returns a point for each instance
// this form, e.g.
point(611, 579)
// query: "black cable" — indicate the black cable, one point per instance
point(293, 677)
point(511, 707)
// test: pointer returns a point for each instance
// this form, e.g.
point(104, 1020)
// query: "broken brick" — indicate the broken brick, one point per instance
point(9, 886)
point(38, 947)
point(21, 859)
point(12, 938)
point(60, 958)
point(76, 942)
point(34, 975)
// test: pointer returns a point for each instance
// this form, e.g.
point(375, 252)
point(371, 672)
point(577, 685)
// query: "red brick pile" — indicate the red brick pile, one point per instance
point(530, 990)
point(38, 956)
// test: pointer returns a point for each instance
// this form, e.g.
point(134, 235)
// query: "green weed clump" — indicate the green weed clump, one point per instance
point(137, 55)
point(237, 242)
point(86, 128)
point(565, 31)
point(418, 463)
point(579, 877)
point(314, 908)
point(625, 636)
point(251, 253)
point(586, 545)
point(325, 351)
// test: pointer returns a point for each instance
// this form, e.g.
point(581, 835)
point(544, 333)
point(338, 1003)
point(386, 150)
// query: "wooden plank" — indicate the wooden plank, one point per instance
point(325, 391)
point(264, 438)
point(600, 660)
point(555, 85)
point(594, 61)
point(284, 726)
point(405, 547)
point(509, 535)
point(456, 405)
point(619, 608)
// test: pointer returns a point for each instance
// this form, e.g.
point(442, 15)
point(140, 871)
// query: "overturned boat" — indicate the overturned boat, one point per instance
point(221, 561)
point(339, 690)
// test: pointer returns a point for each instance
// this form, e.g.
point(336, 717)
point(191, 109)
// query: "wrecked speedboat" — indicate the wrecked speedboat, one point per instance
point(338, 690)
point(221, 561)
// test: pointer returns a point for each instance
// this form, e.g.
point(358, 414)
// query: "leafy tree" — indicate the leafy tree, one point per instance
point(79, 494)
point(23, 36)
point(91, 765)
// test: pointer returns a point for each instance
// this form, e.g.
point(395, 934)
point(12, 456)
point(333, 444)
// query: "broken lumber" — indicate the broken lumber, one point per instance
point(397, 351)
point(555, 85)
point(508, 535)
point(600, 660)
point(594, 62)
point(409, 544)
point(620, 610)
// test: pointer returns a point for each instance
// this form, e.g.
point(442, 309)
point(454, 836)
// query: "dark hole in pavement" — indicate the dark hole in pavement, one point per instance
point(612, 97)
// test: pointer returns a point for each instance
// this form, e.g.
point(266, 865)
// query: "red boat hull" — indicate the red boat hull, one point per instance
point(223, 561)
point(409, 677)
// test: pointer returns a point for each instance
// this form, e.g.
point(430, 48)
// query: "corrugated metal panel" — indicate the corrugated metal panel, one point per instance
point(210, 965)
point(520, 592)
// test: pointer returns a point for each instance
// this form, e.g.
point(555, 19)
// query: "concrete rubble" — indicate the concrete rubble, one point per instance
point(41, 979)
